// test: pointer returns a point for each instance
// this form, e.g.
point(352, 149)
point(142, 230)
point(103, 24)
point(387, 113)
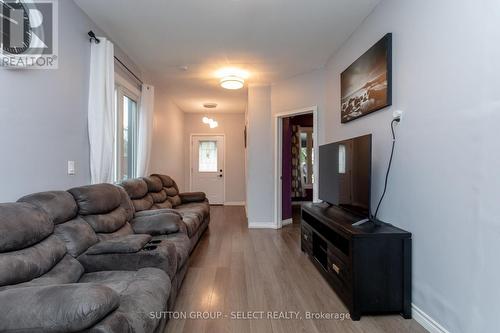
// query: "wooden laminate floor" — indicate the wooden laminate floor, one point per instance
point(234, 270)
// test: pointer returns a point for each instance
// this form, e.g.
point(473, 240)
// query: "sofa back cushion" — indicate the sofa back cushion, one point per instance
point(77, 234)
point(22, 225)
point(96, 199)
point(28, 247)
point(105, 207)
point(137, 190)
point(157, 193)
point(171, 190)
point(61, 207)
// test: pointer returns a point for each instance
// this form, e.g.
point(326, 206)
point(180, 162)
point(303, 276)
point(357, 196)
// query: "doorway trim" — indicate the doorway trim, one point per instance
point(191, 136)
point(278, 144)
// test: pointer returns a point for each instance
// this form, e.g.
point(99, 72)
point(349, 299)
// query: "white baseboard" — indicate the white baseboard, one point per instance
point(262, 225)
point(287, 222)
point(234, 203)
point(426, 321)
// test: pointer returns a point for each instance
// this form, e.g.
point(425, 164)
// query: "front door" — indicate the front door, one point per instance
point(207, 167)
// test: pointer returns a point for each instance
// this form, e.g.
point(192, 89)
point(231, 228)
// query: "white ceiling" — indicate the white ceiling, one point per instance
point(271, 39)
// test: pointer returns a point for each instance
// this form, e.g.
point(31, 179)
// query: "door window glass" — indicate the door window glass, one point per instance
point(207, 151)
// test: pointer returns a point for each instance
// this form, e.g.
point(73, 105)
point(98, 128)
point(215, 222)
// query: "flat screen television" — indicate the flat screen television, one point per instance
point(345, 174)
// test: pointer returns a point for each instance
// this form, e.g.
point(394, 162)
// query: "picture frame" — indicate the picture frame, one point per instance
point(366, 85)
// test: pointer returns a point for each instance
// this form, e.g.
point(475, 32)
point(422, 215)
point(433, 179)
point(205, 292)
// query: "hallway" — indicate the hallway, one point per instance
point(235, 270)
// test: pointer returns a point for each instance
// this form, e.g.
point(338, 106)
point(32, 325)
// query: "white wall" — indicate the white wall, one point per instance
point(167, 153)
point(260, 188)
point(300, 92)
point(444, 186)
point(232, 126)
point(43, 114)
point(446, 75)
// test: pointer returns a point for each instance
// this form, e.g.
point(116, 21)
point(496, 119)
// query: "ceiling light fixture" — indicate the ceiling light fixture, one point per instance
point(213, 123)
point(232, 78)
point(232, 82)
point(209, 121)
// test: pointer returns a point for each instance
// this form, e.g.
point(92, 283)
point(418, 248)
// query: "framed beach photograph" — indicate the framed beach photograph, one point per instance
point(366, 85)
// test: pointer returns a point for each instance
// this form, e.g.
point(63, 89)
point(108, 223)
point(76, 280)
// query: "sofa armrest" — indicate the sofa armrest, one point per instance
point(188, 197)
point(162, 256)
point(159, 223)
point(124, 244)
point(55, 308)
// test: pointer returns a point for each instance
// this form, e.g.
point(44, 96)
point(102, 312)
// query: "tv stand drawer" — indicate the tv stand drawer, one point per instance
point(338, 267)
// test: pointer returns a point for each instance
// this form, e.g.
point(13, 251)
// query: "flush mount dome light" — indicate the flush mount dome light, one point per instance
point(232, 78)
point(232, 82)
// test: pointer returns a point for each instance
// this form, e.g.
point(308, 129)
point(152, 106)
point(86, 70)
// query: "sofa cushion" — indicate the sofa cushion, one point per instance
point(136, 188)
point(123, 231)
point(188, 197)
point(175, 200)
point(162, 205)
point(31, 262)
point(167, 181)
point(200, 208)
point(162, 256)
point(181, 244)
point(67, 270)
point(59, 205)
point(96, 199)
point(171, 191)
point(56, 308)
point(193, 222)
point(108, 222)
point(126, 244)
point(159, 197)
point(22, 225)
point(154, 183)
point(77, 234)
point(156, 223)
point(144, 203)
point(141, 293)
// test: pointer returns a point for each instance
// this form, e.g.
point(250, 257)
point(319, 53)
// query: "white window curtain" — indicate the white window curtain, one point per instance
point(145, 133)
point(101, 113)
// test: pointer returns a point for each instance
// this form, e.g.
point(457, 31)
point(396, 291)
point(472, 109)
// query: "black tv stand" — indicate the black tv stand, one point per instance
point(368, 265)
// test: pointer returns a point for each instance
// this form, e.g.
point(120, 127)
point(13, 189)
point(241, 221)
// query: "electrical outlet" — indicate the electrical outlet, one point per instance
point(397, 114)
point(71, 168)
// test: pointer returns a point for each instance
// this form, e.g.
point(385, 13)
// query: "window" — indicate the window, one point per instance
point(126, 104)
point(207, 151)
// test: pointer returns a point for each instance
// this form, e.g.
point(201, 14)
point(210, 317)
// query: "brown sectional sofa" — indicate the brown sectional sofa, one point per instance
point(120, 253)
point(160, 192)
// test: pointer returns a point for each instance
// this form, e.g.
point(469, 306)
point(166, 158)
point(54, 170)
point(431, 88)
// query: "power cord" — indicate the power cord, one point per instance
point(395, 120)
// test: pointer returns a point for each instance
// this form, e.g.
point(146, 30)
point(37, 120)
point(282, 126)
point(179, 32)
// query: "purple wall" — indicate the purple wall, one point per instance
point(305, 120)
point(286, 171)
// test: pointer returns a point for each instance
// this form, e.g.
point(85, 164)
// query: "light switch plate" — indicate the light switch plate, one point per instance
point(71, 168)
